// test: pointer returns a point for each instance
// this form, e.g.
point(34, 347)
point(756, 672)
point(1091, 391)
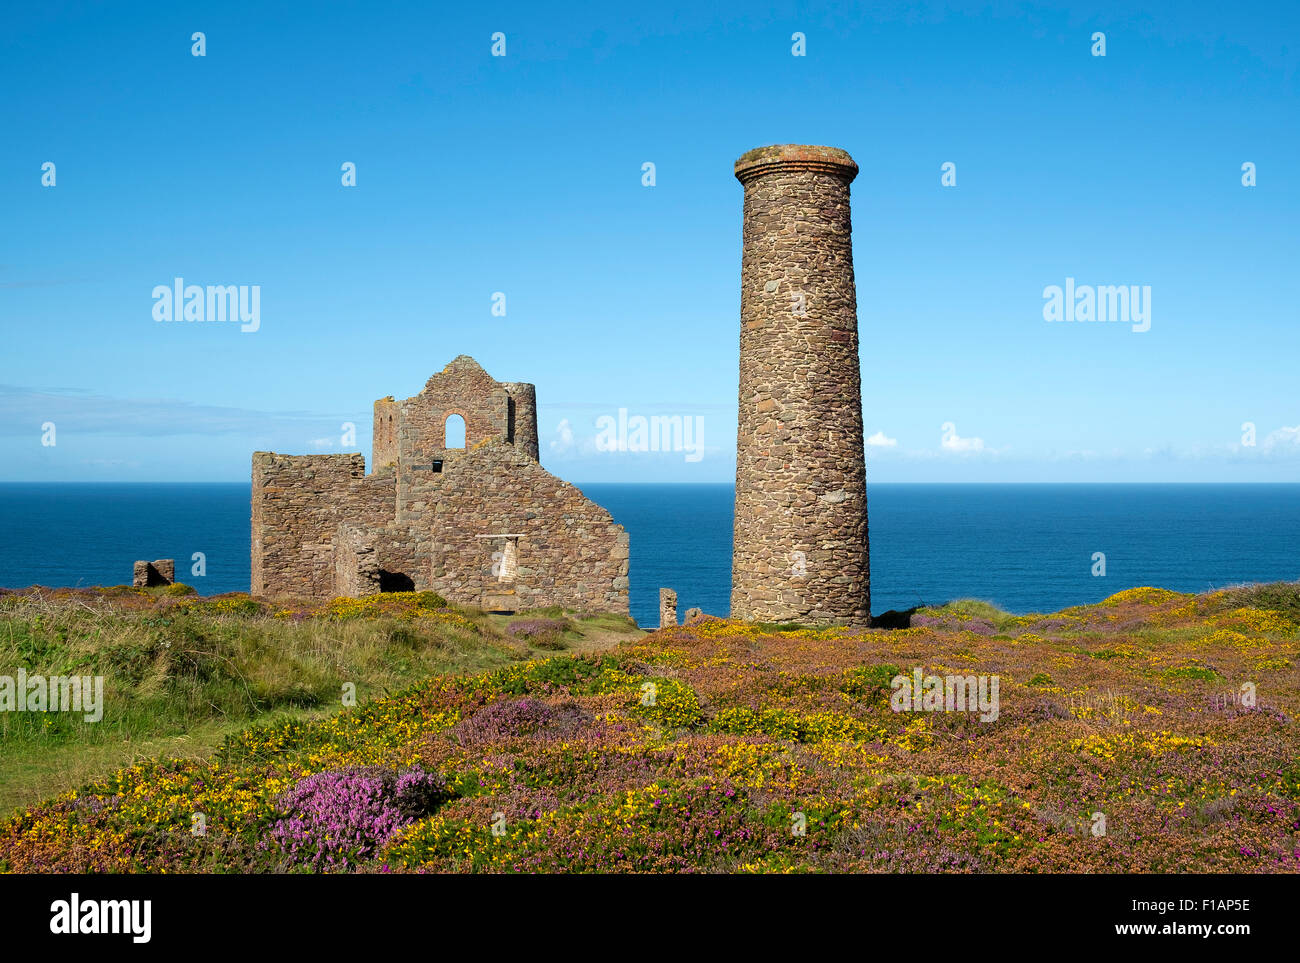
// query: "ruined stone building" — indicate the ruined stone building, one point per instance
point(800, 543)
point(482, 525)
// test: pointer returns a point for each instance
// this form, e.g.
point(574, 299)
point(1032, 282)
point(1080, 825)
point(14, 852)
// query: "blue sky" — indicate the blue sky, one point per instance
point(522, 174)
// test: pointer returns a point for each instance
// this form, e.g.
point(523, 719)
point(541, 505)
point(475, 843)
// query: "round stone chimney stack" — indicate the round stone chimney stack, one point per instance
point(800, 548)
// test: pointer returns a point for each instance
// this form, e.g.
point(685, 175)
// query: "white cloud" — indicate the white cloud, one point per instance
point(879, 440)
point(321, 444)
point(1284, 438)
point(563, 440)
point(85, 412)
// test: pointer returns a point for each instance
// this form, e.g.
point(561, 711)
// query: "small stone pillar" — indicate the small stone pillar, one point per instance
point(693, 615)
point(667, 608)
point(510, 559)
point(161, 571)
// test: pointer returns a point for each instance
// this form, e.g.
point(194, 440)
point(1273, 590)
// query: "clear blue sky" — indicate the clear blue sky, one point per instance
point(522, 174)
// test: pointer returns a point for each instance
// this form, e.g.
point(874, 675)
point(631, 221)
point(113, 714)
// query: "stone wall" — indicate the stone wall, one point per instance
point(298, 503)
point(383, 450)
point(800, 549)
point(393, 564)
point(161, 571)
point(356, 566)
point(570, 552)
point(492, 415)
point(461, 388)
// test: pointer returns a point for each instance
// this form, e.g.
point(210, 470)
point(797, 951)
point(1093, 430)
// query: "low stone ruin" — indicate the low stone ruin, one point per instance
point(667, 608)
point(161, 571)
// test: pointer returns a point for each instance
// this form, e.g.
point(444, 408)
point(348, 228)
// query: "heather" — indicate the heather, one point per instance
point(546, 633)
point(336, 820)
point(1152, 733)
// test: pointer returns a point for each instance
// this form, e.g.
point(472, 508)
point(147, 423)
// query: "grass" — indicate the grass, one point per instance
point(182, 673)
point(1283, 597)
point(965, 609)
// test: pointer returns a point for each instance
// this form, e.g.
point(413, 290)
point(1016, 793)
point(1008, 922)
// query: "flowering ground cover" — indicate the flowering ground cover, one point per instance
point(180, 672)
point(1154, 732)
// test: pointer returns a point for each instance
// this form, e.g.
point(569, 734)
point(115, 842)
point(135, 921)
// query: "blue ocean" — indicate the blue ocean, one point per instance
point(1023, 547)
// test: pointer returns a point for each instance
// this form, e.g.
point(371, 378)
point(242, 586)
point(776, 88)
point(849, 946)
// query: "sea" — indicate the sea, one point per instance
point(1023, 547)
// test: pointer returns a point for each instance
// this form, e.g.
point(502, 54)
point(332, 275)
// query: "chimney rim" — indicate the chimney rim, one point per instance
point(762, 161)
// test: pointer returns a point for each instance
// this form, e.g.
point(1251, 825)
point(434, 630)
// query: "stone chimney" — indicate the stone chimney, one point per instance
point(800, 548)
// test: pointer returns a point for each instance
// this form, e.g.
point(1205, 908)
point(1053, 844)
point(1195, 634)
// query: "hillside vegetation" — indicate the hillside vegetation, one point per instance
point(1154, 732)
point(181, 673)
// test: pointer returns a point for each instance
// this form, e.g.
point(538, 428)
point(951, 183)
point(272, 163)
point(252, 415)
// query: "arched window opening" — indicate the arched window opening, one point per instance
point(454, 432)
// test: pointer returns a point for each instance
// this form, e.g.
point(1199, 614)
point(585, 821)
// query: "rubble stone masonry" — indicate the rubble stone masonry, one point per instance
point(435, 518)
point(161, 571)
point(298, 503)
point(800, 544)
point(569, 551)
point(667, 608)
point(384, 437)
